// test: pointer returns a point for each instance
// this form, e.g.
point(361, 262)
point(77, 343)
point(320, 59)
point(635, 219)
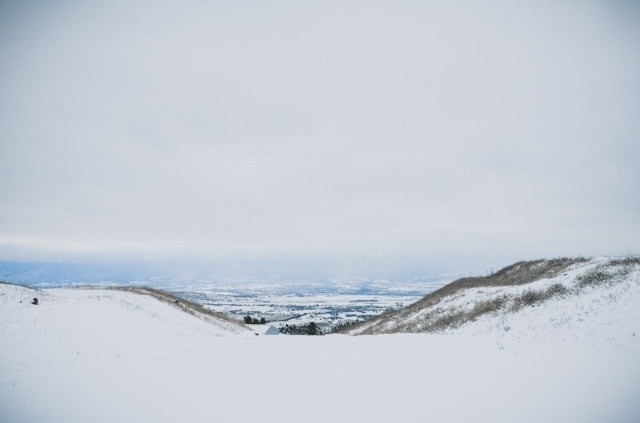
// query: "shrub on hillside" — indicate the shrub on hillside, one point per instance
point(594, 277)
point(489, 306)
point(626, 261)
point(556, 289)
point(529, 298)
point(449, 320)
point(532, 297)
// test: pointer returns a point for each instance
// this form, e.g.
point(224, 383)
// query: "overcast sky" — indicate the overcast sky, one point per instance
point(362, 130)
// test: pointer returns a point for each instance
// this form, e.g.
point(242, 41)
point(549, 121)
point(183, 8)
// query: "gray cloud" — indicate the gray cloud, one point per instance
point(338, 129)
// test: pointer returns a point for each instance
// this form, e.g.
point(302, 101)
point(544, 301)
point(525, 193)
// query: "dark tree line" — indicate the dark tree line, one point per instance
point(308, 329)
point(253, 321)
point(338, 328)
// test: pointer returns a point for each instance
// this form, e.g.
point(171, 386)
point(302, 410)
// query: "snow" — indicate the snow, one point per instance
point(604, 319)
point(111, 356)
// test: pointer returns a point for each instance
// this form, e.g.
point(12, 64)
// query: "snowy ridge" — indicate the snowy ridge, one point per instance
point(190, 307)
point(126, 312)
point(528, 298)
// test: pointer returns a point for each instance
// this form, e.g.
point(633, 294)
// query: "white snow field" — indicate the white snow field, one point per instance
point(112, 356)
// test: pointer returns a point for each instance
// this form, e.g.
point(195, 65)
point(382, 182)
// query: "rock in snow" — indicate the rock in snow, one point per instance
point(111, 356)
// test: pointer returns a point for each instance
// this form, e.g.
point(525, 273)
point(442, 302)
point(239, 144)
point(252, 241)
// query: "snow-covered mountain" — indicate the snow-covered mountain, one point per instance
point(115, 356)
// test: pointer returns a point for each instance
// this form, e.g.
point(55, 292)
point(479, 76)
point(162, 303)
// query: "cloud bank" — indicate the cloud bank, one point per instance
point(337, 130)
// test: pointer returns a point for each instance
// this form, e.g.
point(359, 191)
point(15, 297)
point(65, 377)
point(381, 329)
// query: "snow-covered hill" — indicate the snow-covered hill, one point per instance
point(115, 356)
point(597, 298)
point(87, 313)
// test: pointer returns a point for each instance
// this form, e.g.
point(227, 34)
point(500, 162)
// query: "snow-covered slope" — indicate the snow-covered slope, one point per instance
point(87, 313)
point(599, 298)
point(111, 356)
